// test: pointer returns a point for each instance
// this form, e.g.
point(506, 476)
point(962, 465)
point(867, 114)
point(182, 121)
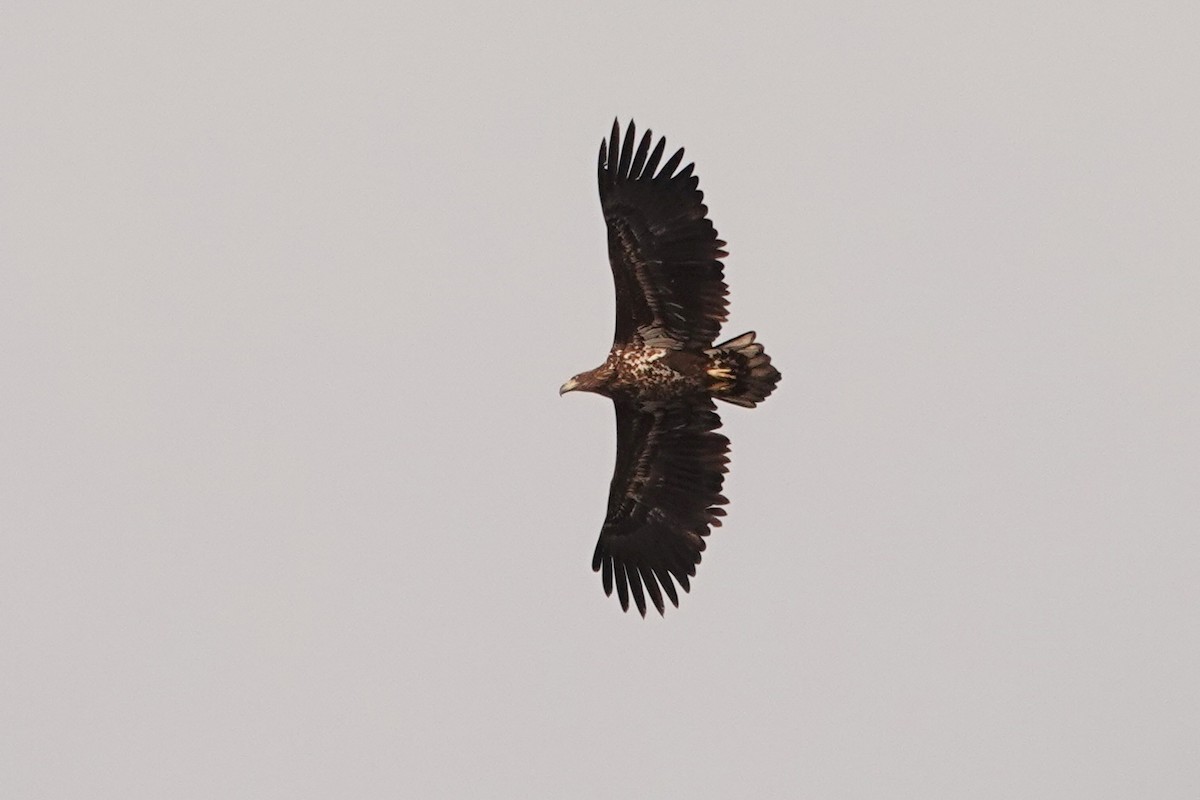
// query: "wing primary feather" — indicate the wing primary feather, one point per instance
point(622, 585)
point(602, 167)
point(639, 158)
point(655, 157)
point(648, 577)
point(668, 586)
point(635, 587)
point(626, 151)
point(668, 170)
point(614, 150)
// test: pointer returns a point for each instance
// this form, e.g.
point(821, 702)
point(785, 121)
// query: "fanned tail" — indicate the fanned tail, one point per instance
point(741, 371)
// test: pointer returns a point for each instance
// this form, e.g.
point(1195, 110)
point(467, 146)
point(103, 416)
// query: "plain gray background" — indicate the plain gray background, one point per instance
point(291, 506)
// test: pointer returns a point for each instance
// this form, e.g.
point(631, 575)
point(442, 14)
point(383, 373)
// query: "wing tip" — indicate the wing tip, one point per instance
point(632, 583)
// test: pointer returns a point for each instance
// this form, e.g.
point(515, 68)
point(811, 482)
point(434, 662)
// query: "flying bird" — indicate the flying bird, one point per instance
point(664, 373)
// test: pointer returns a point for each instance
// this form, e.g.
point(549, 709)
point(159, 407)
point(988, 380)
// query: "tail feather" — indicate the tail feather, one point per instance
point(743, 371)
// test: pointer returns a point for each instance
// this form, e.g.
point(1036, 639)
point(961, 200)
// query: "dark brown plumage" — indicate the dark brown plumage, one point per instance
point(663, 372)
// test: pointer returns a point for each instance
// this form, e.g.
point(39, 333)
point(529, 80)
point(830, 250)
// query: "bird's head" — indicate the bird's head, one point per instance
point(594, 380)
point(570, 386)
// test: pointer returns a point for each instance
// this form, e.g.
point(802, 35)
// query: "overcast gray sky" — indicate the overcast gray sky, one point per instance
point(290, 505)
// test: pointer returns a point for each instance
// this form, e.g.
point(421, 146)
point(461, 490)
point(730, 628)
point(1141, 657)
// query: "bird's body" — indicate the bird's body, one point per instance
point(663, 372)
point(640, 372)
point(646, 373)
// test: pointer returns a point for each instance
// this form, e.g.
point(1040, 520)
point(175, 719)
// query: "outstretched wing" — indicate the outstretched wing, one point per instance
point(663, 248)
point(666, 492)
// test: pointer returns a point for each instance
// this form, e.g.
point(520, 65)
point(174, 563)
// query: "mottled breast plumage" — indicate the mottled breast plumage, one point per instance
point(653, 373)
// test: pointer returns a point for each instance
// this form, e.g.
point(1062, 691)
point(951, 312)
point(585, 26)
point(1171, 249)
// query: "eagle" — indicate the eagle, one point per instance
point(663, 373)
